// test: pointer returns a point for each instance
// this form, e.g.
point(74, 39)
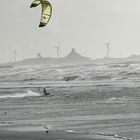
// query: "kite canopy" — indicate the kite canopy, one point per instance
point(46, 11)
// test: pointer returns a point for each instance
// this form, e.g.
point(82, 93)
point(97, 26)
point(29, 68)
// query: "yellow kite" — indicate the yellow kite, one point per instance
point(46, 11)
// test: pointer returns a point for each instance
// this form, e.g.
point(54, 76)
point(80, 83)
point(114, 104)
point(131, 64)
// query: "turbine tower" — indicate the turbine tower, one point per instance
point(107, 48)
point(15, 55)
point(57, 50)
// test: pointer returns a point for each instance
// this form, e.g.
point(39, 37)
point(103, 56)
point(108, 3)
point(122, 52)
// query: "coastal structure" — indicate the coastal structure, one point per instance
point(72, 58)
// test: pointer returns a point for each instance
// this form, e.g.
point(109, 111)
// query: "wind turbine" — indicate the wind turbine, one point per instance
point(15, 55)
point(107, 48)
point(57, 49)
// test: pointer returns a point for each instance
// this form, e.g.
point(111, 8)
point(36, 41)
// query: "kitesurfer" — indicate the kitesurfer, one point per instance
point(45, 92)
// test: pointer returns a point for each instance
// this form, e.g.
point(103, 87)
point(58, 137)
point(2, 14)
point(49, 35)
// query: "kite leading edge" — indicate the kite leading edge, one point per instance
point(46, 11)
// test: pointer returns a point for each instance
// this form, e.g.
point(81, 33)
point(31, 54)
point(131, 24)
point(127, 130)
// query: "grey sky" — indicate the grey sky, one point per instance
point(81, 24)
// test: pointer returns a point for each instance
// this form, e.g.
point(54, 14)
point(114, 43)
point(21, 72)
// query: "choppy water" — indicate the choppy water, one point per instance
point(102, 98)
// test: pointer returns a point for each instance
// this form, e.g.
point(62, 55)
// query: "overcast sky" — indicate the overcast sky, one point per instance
point(81, 24)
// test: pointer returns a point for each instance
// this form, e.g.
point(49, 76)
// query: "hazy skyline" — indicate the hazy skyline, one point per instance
point(82, 24)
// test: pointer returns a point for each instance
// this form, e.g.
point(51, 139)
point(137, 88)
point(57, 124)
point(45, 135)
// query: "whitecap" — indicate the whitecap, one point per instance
point(28, 93)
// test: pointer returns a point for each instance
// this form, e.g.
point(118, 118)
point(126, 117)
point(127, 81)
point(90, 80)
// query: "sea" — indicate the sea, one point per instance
point(100, 98)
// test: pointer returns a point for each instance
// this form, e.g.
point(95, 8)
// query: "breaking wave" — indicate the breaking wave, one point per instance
point(29, 93)
point(119, 99)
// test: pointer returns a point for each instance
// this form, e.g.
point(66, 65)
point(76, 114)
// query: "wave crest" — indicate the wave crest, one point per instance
point(29, 93)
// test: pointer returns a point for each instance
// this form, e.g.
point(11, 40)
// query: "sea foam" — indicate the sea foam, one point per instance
point(28, 93)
